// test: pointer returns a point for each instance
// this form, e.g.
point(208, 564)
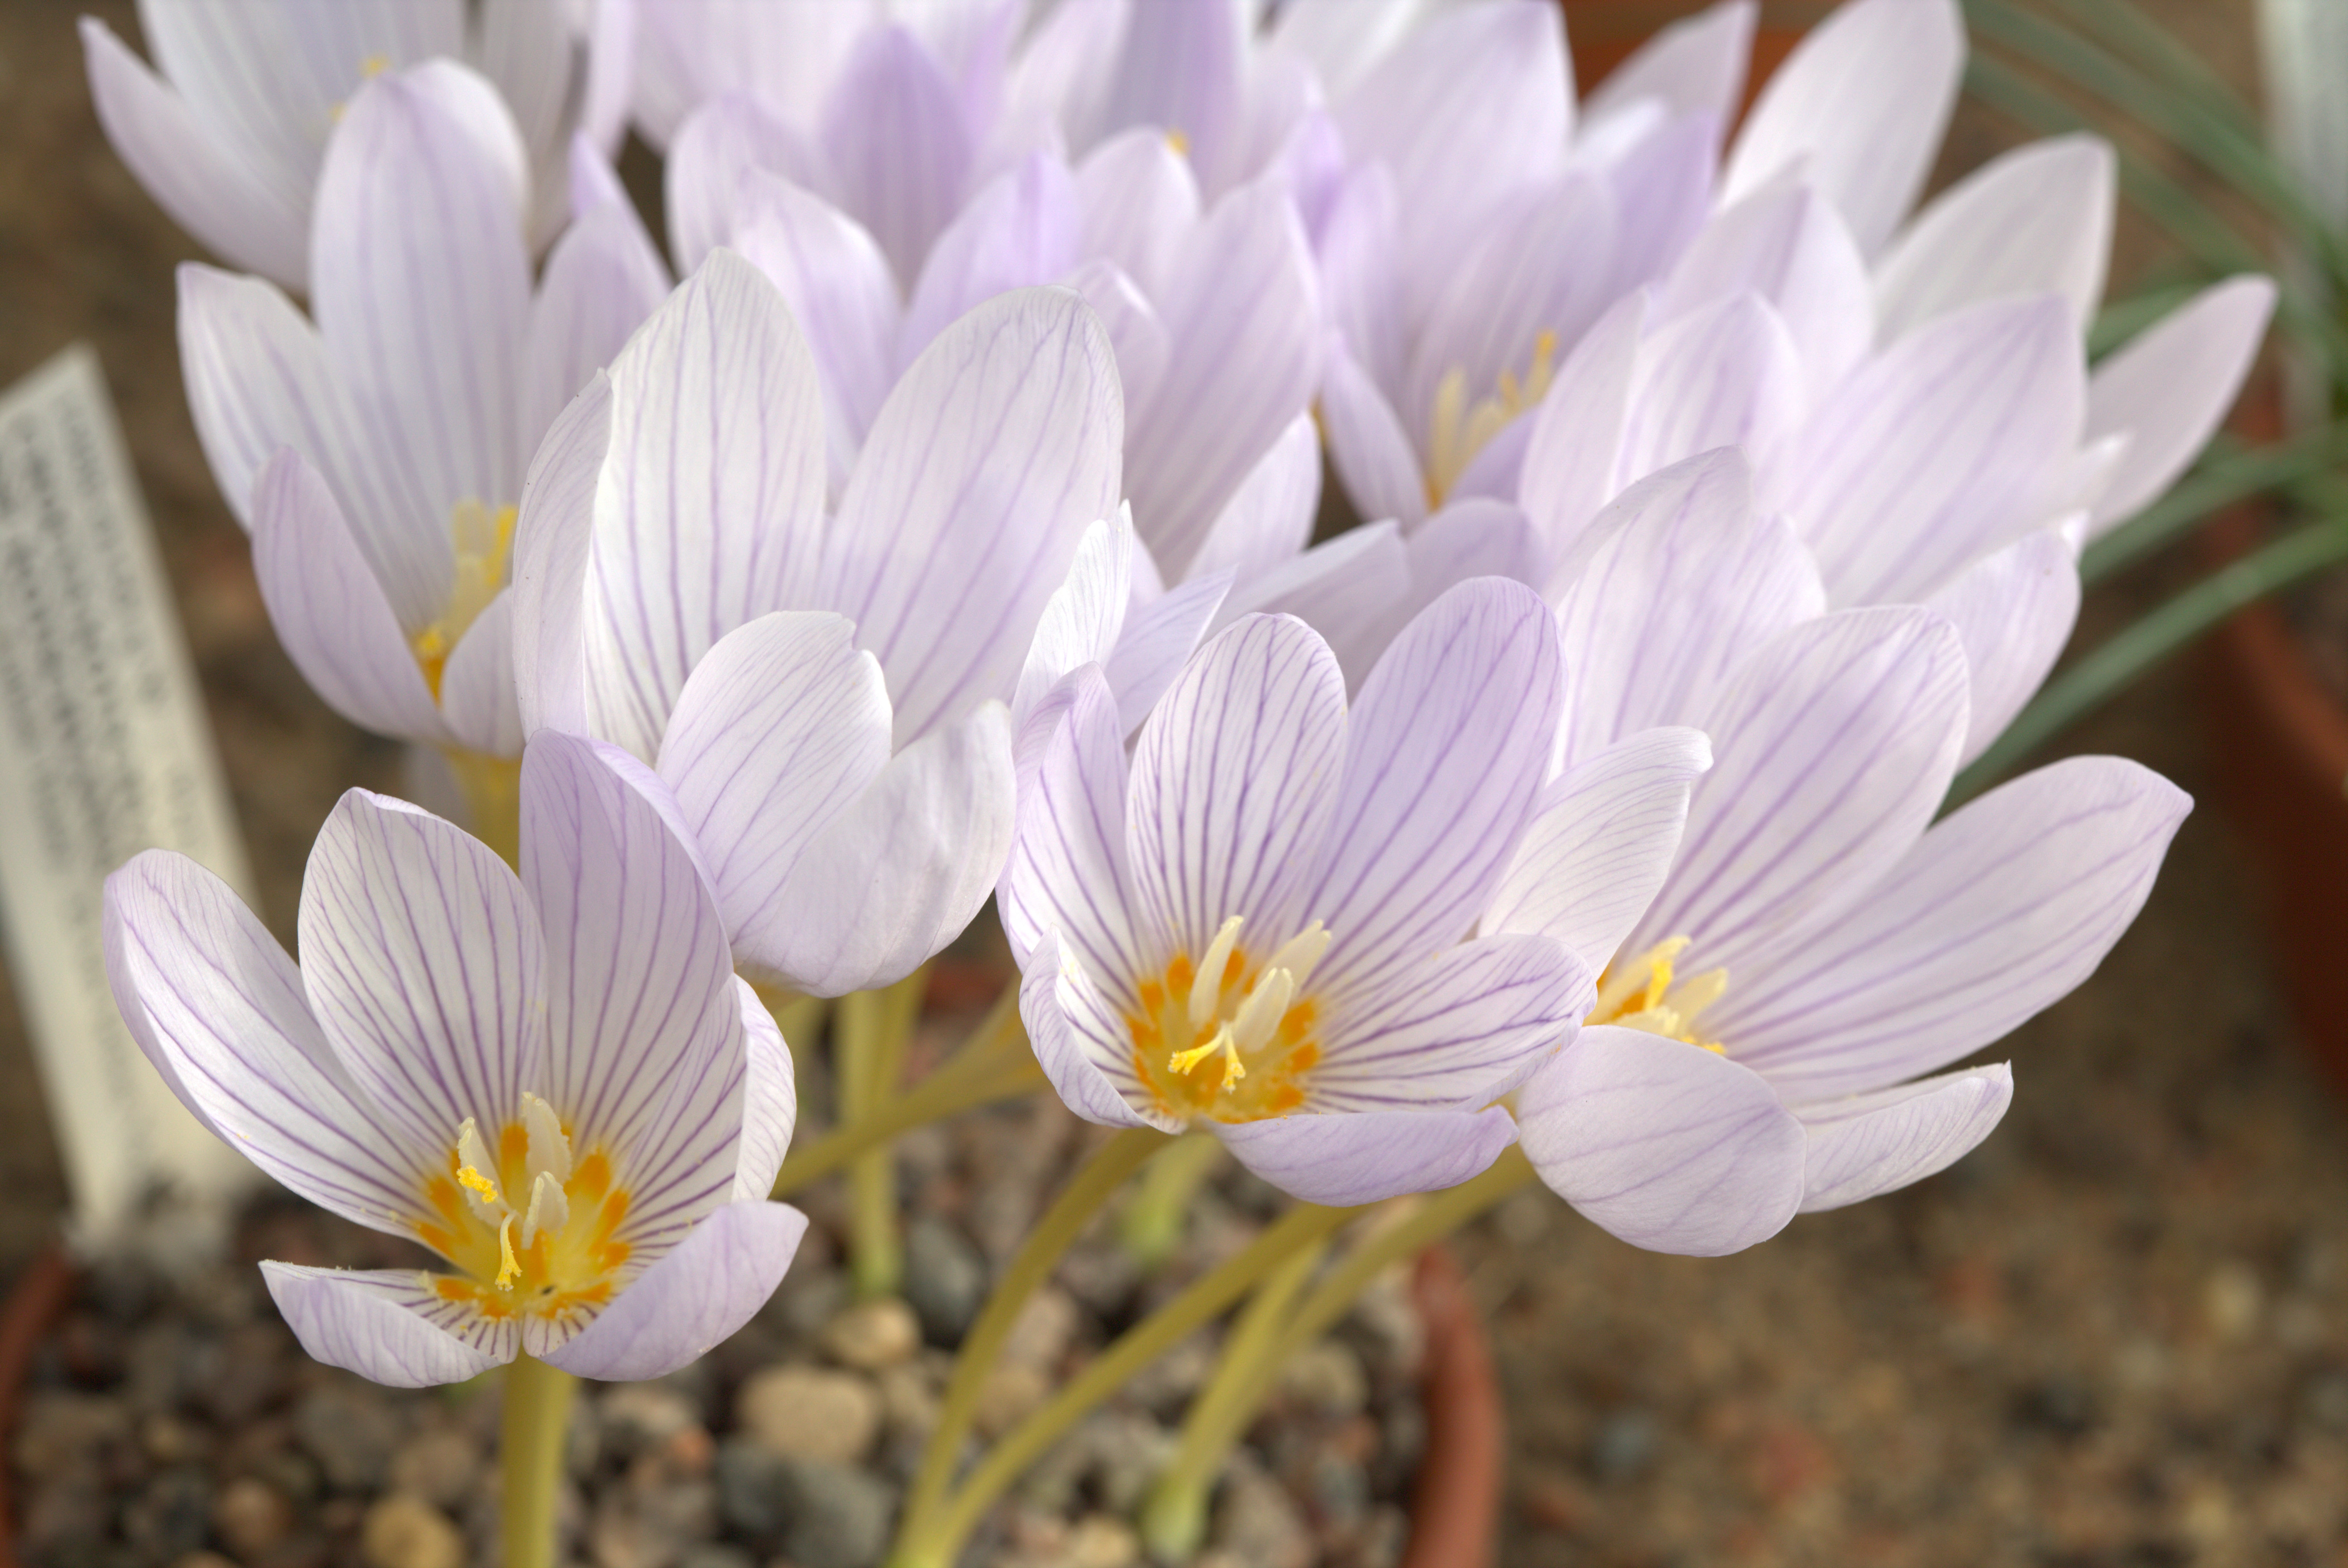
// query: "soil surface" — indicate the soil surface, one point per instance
point(2117, 1335)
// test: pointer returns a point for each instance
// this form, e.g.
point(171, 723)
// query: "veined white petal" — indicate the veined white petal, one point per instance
point(1874, 1144)
point(389, 1326)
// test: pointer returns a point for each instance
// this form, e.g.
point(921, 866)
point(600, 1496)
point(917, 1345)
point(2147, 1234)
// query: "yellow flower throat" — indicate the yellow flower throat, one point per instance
point(1644, 995)
point(1457, 430)
point(536, 1233)
point(483, 542)
point(1221, 1041)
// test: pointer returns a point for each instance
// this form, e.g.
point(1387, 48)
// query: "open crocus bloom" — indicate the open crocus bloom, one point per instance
point(552, 1081)
point(377, 457)
point(825, 691)
point(228, 138)
point(1265, 923)
point(1816, 942)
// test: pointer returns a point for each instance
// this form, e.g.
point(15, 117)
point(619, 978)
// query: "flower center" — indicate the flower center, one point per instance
point(1214, 1039)
point(1644, 994)
point(484, 545)
point(536, 1233)
point(1457, 430)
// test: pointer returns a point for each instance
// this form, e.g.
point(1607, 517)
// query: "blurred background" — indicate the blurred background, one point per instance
point(2118, 1333)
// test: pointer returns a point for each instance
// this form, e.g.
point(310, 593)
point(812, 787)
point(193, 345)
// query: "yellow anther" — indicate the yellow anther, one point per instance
point(1234, 1070)
point(468, 1177)
point(1183, 1061)
point(1179, 143)
point(481, 541)
point(508, 1266)
point(1457, 430)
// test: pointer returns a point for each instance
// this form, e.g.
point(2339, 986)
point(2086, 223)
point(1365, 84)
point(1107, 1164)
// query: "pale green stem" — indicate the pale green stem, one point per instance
point(994, 1065)
point(493, 790)
point(874, 1027)
point(934, 1541)
point(1174, 1515)
point(1151, 1225)
point(530, 1454)
point(1078, 1202)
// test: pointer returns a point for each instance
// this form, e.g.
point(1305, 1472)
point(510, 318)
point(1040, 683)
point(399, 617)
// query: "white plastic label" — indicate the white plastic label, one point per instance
point(104, 752)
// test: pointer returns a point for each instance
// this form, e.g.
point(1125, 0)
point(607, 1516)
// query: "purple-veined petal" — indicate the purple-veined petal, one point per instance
point(1138, 199)
point(1994, 915)
point(1066, 876)
point(1684, 584)
point(2035, 221)
point(1158, 640)
point(1694, 65)
point(1864, 98)
point(1601, 843)
point(424, 963)
point(1079, 1042)
point(420, 283)
point(716, 152)
point(206, 187)
point(1342, 1158)
point(896, 875)
point(994, 452)
point(1875, 1143)
point(1361, 286)
point(1241, 310)
point(1020, 231)
point(895, 140)
point(781, 726)
point(1452, 1031)
point(1349, 589)
point(2169, 387)
point(1577, 434)
point(554, 537)
point(1083, 617)
point(1368, 445)
point(1182, 70)
point(217, 1007)
point(602, 281)
point(1948, 445)
point(645, 1052)
point(709, 511)
point(698, 1294)
point(1726, 375)
point(1474, 537)
point(1831, 748)
point(1269, 519)
point(1662, 195)
point(1233, 779)
point(477, 696)
point(1664, 1144)
point(2013, 611)
point(380, 1324)
point(784, 57)
point(1134, 329)
point(1444, 751)
point(1341, 39)
point(770, 1099)
point(838, 285)
point(1787, 245)
point(329, 610)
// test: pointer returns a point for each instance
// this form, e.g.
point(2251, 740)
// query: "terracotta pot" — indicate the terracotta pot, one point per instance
point(38, 1297)
point(1603, 33)
point(1454, 1503)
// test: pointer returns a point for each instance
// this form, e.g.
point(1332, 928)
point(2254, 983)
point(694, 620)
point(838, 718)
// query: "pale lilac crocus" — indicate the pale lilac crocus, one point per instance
point(824, 689)
point(1816, 943)
point(227, 131)
point(553, 1080)
point(377, 456)
point(1265, 924)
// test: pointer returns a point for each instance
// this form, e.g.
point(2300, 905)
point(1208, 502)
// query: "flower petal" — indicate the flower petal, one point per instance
point(2000, 910)
point(217, 1007)
point(1183, 69)
point(896, 875)
point(986, 463)
point(1083, 617)
point(1232, 781)
point(1020, 231)
point(840, 290)
point(1601, 843)
point(1360, 283)
point(1693, 66)
point(1452, 1032)
point(1368, 445)
point(206, 187)
point(770, 1099)
point(1832, 748)
point(709, 511)
point(1157, 640)
point(1787, 245)
point(423, 962)
point(893, 138)
point(1577, 435)
point(1087, 1057)
point(782, 725)
point(602, 281)
point(1138, 199)
point(554, 540)
point(1666, 1145)
point(1067, 879)
point(1350, 589)
point(1726, 375)
point(698, 1292)
point(1367, 1156)
point(329, 609)
point(1269, 519)
point(2013, 611)
point(2035, 221)
point(2171, 385)
point(1864, 100)
point(381, 1323)
point(1444, 751)
point(1875, 1144)
point(477, 687)
point(711, 166)
point(1662, 197)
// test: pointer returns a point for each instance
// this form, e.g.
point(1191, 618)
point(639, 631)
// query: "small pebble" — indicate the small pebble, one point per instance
point(1257, 1522)
point(1010, 1391)
point(1099, 1541)
point(250, 1516)
point(810, 1413)
point(834, 1517)
point(945, 1279)
point(872, 1334)
point(352, 1433)
point(1326, 1379)
point(1040, 1336)
point(439, 1467)
point(637, 1416)
point(403, 1531)
point(1624, 1445)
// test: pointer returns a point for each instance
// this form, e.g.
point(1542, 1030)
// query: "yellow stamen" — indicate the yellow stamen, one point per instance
point(508, 1266)
point(1644, 993)
point(1258, 1023)
point(483, 542)
point(479, 1183)
point(1457, 430)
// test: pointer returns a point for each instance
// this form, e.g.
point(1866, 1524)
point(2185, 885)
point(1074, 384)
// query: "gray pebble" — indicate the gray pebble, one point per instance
point(821, 1515)
point(1624, 1444)
point(945, 1279)
point(351, 1431)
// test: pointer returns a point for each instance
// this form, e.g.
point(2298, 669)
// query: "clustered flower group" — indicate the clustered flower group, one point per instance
point(949, 532)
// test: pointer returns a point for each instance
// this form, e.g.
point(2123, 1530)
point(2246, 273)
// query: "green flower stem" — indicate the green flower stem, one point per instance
point(1078, 1202)
point(493, 790)
point(994, 1065)
point(934, 1542)
point(2087, 684)
point(1174, 1515)
point(874, 1028)
point(537, 1420)
point(1151, 1225)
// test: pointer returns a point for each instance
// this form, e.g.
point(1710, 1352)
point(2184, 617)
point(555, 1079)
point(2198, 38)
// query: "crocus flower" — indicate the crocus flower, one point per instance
point(554, 1080)
point(228, 138)
point(1264, 925)
point(377, 456)
point(824, 689)
point(1816, 943)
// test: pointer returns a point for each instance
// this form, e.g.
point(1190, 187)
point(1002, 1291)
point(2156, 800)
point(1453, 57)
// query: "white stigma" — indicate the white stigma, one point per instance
point(1207, 985)
point(550, 1208)
point(550, 1150)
